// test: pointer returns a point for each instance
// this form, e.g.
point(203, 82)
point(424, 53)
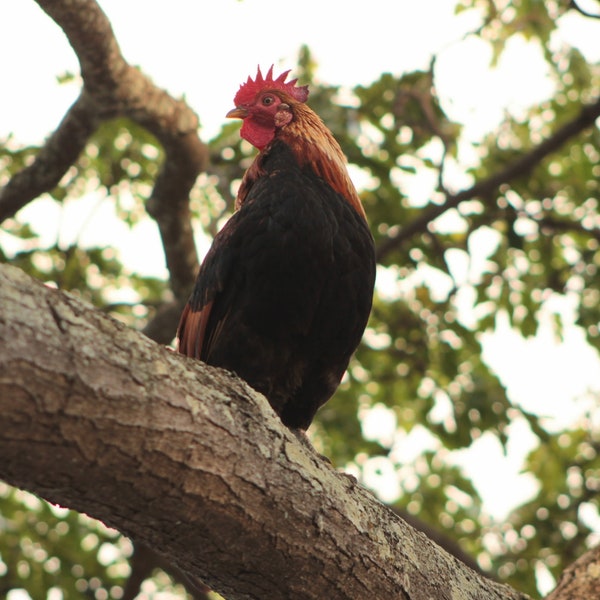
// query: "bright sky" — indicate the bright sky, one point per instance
point(206, 49)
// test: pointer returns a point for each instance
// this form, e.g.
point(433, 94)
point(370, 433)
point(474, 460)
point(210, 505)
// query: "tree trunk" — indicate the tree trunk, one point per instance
point(190, 461)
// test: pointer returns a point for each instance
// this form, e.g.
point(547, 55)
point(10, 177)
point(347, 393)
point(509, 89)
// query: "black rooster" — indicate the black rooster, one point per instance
point(284, 293)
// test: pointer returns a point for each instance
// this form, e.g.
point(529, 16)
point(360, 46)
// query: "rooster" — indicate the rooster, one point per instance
point(284, 293)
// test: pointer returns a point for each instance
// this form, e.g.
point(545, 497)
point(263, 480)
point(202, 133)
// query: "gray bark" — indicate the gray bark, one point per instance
point(190, 461)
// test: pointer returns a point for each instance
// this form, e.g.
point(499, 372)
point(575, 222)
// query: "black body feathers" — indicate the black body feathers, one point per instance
point(284, 293)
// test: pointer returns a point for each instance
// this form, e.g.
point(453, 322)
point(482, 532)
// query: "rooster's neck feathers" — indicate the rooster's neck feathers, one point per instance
point(315, 148)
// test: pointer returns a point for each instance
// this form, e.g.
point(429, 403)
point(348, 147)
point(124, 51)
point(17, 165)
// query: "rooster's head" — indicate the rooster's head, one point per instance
point(266, 104)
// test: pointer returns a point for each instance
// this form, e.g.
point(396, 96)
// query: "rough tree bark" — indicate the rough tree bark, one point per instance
point(189, 460)
point(580, 581)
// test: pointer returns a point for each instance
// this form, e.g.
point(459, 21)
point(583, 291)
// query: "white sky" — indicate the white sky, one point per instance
point(206, 49)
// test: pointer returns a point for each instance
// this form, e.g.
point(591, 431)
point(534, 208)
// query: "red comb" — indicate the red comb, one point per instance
point(251, 87)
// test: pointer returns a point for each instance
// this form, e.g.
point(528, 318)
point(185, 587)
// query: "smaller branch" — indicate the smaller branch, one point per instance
point(53, 160)
point(585, 13)
point(145, 560)
point(486, 189)
point(429, 112)
point(546, 222)
point(169, 206)
point(161, 328)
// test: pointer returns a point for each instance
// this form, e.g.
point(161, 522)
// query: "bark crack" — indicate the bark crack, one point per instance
point(56, 316)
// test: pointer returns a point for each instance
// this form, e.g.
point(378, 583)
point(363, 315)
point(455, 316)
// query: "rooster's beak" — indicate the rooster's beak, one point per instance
point(237, 113)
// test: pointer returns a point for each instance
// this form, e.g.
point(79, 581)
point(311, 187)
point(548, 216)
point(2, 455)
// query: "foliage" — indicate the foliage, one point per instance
point(45, 547)
point(420, 365)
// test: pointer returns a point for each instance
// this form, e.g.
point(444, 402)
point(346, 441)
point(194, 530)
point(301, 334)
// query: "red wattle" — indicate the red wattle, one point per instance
point(258, 135)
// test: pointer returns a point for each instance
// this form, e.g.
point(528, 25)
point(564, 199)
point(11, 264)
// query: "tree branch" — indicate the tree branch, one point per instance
point(580, 10)
point(113, 88)
point(487, 187)
point(189, 460)
point(162, 327)
point(580, 580)
point(53, 160)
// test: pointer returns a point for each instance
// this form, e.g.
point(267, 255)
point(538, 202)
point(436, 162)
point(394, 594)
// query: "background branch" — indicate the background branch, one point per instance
point(52, 161)
point(585, 13)
point(486, 188)
point(113, 88)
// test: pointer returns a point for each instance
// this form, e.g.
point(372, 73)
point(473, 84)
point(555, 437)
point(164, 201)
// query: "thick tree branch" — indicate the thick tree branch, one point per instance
point(486, 188)
point(188, 460)
point(112, 88)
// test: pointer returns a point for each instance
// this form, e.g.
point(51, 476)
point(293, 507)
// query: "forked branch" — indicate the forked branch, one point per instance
point(113, 88)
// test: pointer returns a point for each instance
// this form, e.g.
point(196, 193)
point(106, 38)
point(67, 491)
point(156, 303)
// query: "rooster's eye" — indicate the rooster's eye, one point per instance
point(268, 100)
